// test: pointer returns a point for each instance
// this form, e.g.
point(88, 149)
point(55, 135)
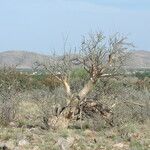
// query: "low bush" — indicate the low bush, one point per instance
point(9, 87)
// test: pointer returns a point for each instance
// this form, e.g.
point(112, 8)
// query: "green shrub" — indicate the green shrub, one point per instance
point(142, 75)
point(79, 73)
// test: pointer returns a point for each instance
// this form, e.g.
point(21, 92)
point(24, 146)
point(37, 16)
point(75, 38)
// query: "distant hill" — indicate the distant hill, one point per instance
point(21, 59)
point(140, 59)
point(24, 59)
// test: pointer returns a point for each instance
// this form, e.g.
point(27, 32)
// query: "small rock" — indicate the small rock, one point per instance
point(10, 144)
point(16, 148)
point(12, 124)
point(119, 145)
point(3, 146)
point(65, 144)
point(23, 142)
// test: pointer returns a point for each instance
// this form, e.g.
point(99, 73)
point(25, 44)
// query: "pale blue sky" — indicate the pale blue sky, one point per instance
point(42, 25)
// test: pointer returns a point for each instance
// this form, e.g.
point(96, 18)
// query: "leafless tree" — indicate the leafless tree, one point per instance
point(101, 59)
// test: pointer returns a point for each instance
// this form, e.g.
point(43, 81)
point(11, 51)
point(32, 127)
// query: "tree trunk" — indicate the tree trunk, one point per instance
point(87, 89)
point(68, 113)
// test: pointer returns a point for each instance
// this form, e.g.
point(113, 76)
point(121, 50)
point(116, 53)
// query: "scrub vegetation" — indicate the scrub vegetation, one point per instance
point(85, 100)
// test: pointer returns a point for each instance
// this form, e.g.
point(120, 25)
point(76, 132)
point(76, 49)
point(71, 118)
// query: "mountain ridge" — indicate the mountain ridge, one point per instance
point(21, 59)
point(25, 59)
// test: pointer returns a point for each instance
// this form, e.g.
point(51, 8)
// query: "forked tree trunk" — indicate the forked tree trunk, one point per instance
point(86, 90)
point(75, 101)
point(68, 113)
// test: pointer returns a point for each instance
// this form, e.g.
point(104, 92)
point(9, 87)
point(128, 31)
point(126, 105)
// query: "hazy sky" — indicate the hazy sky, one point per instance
point(42, 25)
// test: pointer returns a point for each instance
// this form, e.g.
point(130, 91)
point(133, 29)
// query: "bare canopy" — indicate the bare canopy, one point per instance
point(99, 57)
